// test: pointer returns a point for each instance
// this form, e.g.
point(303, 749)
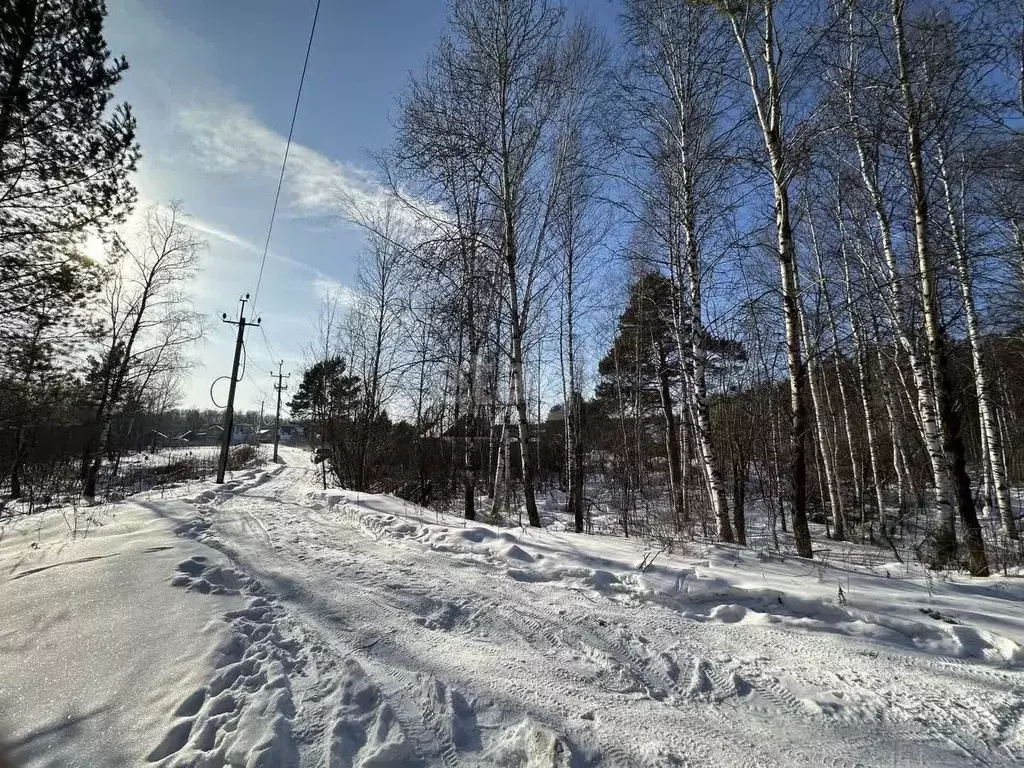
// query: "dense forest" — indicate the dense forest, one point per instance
point(746, 271)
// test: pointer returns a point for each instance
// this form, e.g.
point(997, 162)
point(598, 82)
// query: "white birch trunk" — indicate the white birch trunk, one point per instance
point(990, 438)
point(945, 543)
point(686, 275)
point(928, 416)
point(767, 99)
point(863, 382)
point(899, 455)
point(824, 444)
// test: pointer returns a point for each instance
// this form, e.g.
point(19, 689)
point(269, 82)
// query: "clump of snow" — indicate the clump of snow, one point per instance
point(366, 732)
point(529, 745)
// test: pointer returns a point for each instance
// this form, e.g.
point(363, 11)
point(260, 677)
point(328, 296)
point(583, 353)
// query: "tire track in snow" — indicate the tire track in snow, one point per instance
point(576, 634)
point(940, 708)
point(719, 687)
point(934, 711)
point(423, 728)
point(562, 635)
point(256, 524)
point(934, 717)
point(427, 730)
point(528, 627)
point(545, 633)
point(933, 725)
point(586, 640)
point(396, 686)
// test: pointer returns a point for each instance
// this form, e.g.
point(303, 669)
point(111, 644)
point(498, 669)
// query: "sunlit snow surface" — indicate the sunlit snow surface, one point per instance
point(268, 623)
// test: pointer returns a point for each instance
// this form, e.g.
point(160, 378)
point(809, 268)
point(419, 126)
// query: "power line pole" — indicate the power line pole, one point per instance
point(229, 413)
point(279, 387)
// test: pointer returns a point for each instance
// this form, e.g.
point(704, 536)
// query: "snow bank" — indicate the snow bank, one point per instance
point(736, 586)
point(96, 648)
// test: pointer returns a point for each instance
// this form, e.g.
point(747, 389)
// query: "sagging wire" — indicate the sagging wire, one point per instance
point(287, 149)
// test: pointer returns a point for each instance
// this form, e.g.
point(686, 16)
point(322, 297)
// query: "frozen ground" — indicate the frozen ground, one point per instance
point(266, 623)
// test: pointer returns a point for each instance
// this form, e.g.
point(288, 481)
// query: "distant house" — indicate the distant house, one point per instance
point(476, 430)
point(241, 433)
point(157, 439)
point(208, 436)
point(292, 433)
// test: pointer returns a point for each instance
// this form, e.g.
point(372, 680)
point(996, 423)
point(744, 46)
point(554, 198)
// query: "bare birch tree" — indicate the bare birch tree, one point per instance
point(757, 34)
point(149, 319)
point(679, 95)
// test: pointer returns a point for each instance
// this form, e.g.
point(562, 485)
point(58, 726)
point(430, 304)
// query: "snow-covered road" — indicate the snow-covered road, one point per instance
point(368, 632)
point(457, 645)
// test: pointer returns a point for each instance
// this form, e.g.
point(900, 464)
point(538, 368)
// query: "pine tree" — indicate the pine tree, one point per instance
point(330, 401)
point(65, 156)
point(645, 344)
point(326, 390)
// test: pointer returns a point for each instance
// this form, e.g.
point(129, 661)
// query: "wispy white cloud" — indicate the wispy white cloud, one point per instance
point(328, 288)
point(228, 138)
point(211, 230)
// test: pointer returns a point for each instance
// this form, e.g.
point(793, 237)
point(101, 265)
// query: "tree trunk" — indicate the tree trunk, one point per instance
point(702, 426)
point(19, 456)
point(945, 547)
point(739, 495)
point(769, 107)
point(863, 384)
point(695, 351)
point(797, 407)
point(928, 420)
point(525, 435)
point(471, 421)
point(571, 406)
point(990, 438)
point(686, 455)
point(501, 460)
point(839, 531)
point(671, 438)
point(93, 469)
point(899, 455)
point(824, 446)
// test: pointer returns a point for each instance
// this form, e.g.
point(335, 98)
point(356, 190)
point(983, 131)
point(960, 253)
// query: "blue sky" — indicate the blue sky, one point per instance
point(213, 85)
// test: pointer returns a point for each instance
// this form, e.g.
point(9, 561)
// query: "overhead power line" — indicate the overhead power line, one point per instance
point(284, 162)
point(270, 350)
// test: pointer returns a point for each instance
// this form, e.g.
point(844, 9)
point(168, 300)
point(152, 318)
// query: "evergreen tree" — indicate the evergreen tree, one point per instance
point(65, 155)
point(328, 399)
point(644, 350)
point(326, 391)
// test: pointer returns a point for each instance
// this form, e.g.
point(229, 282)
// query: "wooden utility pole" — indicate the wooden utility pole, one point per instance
point(279, 387)
point(229, 413)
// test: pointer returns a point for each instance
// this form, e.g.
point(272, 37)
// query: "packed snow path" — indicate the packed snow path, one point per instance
point(368, 632)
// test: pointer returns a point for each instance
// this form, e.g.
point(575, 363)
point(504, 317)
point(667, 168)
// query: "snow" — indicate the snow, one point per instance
point(96, 651)
point(266, 622)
